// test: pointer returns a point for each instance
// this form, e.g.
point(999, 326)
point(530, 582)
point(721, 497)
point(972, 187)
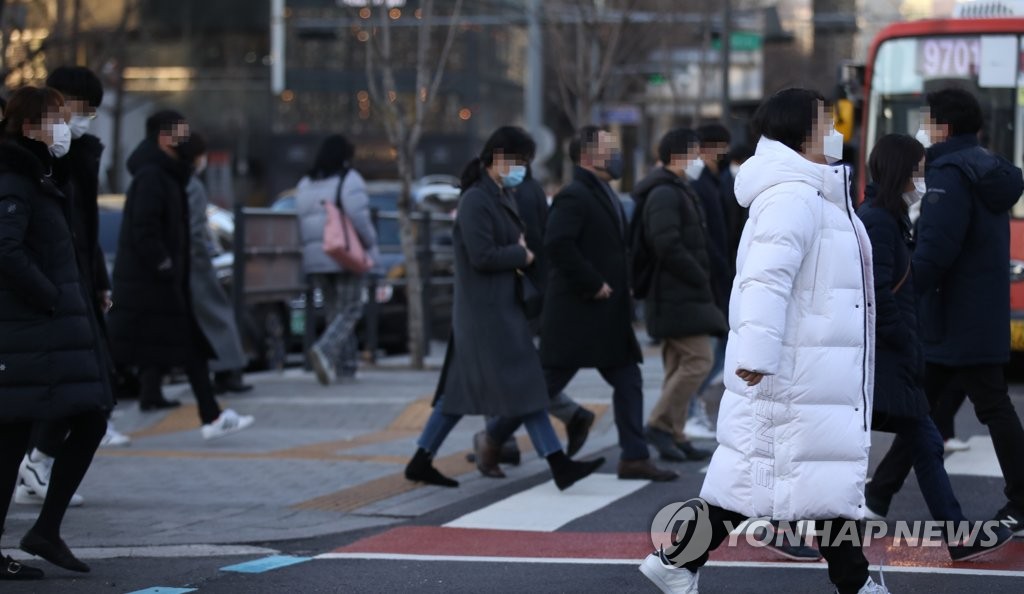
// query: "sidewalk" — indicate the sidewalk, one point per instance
point(319, 460)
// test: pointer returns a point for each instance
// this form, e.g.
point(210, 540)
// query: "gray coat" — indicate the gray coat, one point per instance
point(212, 308)
point(494, 367)
point(310, 197)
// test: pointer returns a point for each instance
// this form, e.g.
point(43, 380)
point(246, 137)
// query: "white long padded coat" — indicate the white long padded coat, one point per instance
point(795, 446)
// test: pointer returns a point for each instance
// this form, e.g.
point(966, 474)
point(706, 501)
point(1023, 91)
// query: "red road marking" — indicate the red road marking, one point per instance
point(466, 542)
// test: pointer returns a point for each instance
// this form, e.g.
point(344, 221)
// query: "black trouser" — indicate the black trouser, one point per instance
point(944, 409)
point(985, 385)
point(847, 566)
point(198, 373)
point(72, 460)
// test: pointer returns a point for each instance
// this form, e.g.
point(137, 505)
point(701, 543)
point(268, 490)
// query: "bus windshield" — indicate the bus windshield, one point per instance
point(908, 68)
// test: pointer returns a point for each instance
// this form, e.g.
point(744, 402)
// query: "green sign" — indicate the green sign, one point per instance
point(741, 41)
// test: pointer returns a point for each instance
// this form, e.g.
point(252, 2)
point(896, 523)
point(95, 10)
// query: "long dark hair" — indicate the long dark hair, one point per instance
point(891, 165)
point(510, 140)
point(333, 157)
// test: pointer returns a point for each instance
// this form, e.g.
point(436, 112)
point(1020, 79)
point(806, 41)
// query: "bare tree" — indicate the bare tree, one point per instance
point(586, 46)
point(403, 124)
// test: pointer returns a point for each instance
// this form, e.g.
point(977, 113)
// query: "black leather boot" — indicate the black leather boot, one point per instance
point(421, 469)
point(567, 471)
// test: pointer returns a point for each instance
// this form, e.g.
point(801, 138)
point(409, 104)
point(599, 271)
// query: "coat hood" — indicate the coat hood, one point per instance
point(654, 179)
point(996, 182)
point(20, 157)
point(149, 154)
point(774, 163)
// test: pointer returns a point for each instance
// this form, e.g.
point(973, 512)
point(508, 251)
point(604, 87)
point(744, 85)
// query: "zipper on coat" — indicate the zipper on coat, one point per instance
point(863, 284)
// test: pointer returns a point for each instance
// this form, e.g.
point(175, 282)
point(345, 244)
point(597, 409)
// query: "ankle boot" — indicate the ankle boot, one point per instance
point(54, 551)
point(421, 469)
point(487, 455)
point(566, 471)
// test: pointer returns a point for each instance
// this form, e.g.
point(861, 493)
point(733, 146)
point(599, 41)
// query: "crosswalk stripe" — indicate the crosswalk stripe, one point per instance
point(545, 509)
point(980, 460)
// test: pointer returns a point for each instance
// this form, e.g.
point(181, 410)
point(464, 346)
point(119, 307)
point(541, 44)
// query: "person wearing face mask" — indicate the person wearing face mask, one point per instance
point(51, 364)
point(492, 366)
point(896, 166)
point(963, 243)
point(795, 422)
point(77, 173)
point(587, 317)
point(333, 180)
point(154, 325)
point(680, 308)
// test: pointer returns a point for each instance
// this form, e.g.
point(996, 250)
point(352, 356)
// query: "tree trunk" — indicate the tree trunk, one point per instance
point(410, 249)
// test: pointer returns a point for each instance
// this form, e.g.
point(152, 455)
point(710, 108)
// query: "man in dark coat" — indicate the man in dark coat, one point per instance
point(153, 325)
point(963, 245)
point(680, 309)
point(587, 317)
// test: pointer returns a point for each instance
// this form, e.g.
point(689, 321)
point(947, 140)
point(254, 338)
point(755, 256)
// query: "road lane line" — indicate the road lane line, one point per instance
point(266, 564)
point(980, 460)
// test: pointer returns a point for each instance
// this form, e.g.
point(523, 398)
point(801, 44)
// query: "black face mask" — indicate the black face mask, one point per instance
point(614, 165)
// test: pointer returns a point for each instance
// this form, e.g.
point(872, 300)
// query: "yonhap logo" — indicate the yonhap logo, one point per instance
point(682, 531)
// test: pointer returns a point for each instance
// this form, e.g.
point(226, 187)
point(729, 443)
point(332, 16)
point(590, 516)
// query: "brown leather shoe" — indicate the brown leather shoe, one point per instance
point(645, 470)
point(487, 455)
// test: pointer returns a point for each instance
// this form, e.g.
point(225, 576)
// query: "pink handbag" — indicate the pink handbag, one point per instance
point(341, 242)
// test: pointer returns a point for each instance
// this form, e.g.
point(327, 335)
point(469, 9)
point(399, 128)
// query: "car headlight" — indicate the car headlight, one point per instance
point(1016, 271)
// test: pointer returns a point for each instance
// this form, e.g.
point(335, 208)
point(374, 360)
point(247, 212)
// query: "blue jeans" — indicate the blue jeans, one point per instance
point(538, 425)
point(917, 444)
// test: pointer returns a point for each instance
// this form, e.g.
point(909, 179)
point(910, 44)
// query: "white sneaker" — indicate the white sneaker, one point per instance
point(870, 587)
point(669, 579)
point(954, 444)
point(322, 366)
point(699, 428)
point(35, 471)
point(114, 438)
point(24, 495)
point(227, 423)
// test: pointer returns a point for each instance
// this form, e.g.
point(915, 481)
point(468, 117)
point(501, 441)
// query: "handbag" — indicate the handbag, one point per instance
point(341, 242)
point(528, 295)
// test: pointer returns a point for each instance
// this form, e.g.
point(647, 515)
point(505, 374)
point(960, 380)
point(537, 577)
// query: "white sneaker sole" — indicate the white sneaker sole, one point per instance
point(242, 425)
point(25, 496)
point(654, 574)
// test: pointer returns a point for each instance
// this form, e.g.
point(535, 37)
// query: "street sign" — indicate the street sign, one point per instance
point(627, 115)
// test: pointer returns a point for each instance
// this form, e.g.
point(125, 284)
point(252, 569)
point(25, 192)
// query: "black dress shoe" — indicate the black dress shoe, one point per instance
point(567, 472)
point(55, 552)
point(663, 442)
point(14, 571)
point(149, 404)
point(577, 430)
point(691, 452)
point(645, 470)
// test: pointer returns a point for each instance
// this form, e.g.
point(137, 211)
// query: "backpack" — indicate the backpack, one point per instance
point(644, 264)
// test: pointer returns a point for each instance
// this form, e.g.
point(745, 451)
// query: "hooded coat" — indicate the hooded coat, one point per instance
point(152, 323)
point(681, 301)
point(795, 446)
point(50, 362)
point(963, 247)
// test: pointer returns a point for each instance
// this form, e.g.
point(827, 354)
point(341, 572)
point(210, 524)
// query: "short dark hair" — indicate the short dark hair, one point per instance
point(956, 108)
point(194, 147)
point(334, 156)
point(586, 137)
point(28, 105)
point(710, 133)
point(891, 165)
point(162, 121)
point(677, 142)
point(788, 116)
point(77, 82)
point(740, 153)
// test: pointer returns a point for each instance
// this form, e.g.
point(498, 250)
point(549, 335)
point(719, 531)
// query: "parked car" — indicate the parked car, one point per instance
point(438, 198)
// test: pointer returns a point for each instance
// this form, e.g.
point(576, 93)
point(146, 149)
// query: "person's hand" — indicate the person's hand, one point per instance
point(105, 302)
point(751, 377)
point(604, 293)
point(529, 257)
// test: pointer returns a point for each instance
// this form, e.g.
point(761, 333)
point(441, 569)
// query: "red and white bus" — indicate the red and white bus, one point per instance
point(981, 49)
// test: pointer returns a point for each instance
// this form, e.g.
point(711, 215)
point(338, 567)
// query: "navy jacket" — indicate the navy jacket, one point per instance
point(898, 356)
point(963, 251)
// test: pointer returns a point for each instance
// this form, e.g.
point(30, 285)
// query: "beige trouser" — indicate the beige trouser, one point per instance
point(687, 362)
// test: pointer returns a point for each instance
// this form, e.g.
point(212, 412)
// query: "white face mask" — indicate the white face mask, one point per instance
point(695, 168)
point(734, 169)
point(912, 197)
point(79, 125)
point(923, 137)
point(920, 186)
point(833, 147)
point(61, 140)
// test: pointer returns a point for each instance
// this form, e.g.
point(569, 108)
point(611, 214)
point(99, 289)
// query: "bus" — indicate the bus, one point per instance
point(980, 49)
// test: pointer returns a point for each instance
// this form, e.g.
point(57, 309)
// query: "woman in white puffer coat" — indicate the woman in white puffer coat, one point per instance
point(794, 425)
